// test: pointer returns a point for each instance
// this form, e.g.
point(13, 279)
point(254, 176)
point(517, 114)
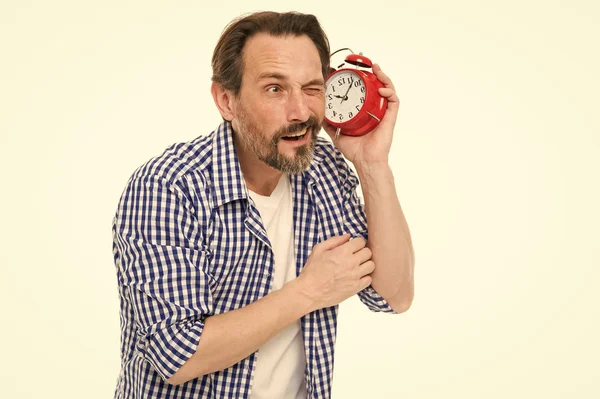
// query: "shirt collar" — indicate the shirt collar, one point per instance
point(228, 181)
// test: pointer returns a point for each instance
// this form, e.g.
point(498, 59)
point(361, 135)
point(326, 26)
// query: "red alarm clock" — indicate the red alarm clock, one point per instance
point(352, 100)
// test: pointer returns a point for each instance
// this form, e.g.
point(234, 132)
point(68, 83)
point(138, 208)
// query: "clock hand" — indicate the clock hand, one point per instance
point(346, 95)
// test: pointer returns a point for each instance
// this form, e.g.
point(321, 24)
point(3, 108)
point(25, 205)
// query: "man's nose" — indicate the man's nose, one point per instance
point(297, 109)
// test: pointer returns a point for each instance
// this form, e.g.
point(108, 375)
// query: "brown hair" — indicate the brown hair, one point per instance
point(227, 60)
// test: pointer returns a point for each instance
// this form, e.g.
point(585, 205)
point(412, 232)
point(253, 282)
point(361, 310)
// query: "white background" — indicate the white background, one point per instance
point(495, 158)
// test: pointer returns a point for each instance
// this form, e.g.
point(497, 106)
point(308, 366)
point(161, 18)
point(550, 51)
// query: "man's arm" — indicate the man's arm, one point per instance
point(336, 269)
point(389, 236)
point(230, 337)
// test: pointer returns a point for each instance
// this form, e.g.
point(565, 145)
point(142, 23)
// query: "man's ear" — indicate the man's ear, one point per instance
point(223, 100)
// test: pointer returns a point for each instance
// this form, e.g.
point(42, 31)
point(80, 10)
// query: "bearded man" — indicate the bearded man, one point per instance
point(234, 250)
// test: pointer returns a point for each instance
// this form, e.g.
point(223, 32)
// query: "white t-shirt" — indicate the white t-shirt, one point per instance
point(281, 361)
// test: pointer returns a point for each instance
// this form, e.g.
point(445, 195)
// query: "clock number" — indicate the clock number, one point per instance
point(334, 113)
point(362, 89)
point(350, 115)
point(357, 83)
point(341, 117)
point(329, 106)
point(330, 97)
point(358, 107)
point(341, 81)
point(362, 100)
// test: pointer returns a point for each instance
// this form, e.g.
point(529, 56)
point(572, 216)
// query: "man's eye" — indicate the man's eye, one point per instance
point(274, 89)
point(314, 90)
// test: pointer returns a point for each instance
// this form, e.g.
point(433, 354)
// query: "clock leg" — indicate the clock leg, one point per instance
point(374, 117)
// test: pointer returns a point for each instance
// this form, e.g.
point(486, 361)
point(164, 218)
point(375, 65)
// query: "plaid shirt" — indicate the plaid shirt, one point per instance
point(188, 243)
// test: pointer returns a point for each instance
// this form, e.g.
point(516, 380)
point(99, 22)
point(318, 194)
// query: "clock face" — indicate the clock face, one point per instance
point(344, 96)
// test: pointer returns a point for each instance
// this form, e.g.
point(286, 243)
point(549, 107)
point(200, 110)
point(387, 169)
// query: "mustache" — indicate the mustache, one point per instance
point(311, 123)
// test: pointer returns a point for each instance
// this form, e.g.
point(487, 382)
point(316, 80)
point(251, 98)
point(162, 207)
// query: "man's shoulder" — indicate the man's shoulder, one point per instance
point(179, 160)
point(330, 160)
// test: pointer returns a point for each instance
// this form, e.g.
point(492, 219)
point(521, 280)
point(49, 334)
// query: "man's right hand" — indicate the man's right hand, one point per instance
point(336, 269)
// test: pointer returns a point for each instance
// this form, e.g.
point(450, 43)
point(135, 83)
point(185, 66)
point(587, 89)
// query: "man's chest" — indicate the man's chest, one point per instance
point(241, 257)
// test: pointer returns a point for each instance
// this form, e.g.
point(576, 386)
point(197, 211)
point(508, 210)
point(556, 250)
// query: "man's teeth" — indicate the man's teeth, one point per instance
point(298, 134)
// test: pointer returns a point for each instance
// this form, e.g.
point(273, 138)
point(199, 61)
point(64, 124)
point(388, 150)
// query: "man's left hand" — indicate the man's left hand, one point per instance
point(373, 147)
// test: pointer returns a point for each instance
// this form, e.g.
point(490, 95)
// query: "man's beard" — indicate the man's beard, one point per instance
point(252, 138)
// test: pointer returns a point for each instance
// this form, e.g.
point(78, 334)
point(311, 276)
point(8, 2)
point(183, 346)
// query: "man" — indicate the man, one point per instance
point(234, 250)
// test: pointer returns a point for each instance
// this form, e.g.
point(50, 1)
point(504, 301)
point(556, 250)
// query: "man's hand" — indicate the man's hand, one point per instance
point(336, 269)
point(374, 147)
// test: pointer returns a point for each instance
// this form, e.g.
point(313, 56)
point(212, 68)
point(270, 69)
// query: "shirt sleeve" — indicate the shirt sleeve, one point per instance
point(161, 266)
point(356, 224)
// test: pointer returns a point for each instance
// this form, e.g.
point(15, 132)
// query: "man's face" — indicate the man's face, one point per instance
point(282, 95)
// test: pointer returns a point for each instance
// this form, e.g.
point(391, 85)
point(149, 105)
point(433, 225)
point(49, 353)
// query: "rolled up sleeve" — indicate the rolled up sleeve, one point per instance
point(161, 267)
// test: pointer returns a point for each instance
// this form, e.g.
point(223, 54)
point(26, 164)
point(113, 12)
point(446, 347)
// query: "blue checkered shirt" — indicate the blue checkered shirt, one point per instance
point(188, 243)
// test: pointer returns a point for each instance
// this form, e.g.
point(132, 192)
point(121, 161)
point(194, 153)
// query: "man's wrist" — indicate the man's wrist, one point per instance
point(299, 296)
point(372, 169)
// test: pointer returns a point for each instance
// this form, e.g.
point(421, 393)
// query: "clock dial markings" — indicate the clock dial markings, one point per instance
point(350, 103)
point(345, 97)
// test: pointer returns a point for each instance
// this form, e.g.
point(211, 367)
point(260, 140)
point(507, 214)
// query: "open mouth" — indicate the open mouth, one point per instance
point(296, 136)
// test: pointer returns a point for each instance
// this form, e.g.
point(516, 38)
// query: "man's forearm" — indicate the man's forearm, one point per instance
point(389, 236)
point(229, 337)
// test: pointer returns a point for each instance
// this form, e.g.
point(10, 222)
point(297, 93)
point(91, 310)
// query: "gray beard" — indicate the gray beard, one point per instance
point(268, 152)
